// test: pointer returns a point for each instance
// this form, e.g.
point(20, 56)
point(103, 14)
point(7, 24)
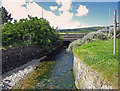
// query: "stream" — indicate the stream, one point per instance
point(59, 76)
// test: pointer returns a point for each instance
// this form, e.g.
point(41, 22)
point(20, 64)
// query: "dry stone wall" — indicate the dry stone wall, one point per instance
point(16, 57)
point(86, 78)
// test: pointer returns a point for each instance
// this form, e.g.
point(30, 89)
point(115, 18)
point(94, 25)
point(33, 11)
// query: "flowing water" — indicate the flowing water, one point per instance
point(55, 72)
point(61, 75)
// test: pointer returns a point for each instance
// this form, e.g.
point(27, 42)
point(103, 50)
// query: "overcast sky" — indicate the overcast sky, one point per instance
point(65, 13)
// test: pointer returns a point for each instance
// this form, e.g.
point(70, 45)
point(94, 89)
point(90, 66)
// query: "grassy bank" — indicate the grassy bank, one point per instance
point(99, 56)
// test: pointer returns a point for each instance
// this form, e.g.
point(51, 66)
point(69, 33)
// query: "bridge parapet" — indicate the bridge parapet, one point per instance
point(72, 36)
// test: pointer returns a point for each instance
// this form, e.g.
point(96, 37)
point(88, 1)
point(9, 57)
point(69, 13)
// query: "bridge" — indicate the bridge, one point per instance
point(72, 36)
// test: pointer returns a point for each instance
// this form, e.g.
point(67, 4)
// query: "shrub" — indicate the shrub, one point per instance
point(117, 33)
point(30, 31)
point(88, 38)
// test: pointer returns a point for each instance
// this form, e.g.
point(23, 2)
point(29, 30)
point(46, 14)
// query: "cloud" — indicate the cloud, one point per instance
point(15, 8)
point(34, 9)
point(15, 1)
point(53, 8)
point(29, 0)
point(65, 5)
point(58, 2)
point(64, 20)
point(82, 10)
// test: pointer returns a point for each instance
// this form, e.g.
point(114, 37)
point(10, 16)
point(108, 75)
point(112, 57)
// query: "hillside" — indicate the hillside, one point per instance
point(80, 30)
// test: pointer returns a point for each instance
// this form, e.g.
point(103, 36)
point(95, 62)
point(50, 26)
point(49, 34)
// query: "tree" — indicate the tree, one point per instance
point(5, 16)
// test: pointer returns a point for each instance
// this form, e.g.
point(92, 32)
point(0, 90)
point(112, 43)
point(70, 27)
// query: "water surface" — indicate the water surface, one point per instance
point(55, 72)
point(61, 74)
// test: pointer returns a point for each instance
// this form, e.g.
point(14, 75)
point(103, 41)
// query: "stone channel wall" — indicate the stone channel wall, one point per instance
point(86, 78)
point(12, 77)
point(20, 61)
point(16, 57)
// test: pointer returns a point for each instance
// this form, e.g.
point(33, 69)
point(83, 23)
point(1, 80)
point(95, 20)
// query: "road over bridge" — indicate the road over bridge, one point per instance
point(72, 36)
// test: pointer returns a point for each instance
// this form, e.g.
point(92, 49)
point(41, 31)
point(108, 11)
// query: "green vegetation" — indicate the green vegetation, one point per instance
point(80, 30)
point(88, 38)
point(96, 50)
point(32, 78)
point(5, 16)
point(30, 31)
point(99, 56)
point(117, 33)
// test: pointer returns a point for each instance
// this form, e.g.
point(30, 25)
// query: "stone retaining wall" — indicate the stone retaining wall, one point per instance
point(16, 57)
point(86, 78)
point(12, 77)
point(15, 68)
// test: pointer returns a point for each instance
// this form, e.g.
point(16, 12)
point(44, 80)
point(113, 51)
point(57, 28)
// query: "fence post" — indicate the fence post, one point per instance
point(114, 50)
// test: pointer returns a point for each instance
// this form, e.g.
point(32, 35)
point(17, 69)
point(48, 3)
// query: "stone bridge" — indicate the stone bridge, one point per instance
point(72, 36)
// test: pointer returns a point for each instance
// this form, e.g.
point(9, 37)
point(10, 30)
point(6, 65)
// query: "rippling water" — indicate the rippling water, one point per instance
point(55, 72)
point(61, 74)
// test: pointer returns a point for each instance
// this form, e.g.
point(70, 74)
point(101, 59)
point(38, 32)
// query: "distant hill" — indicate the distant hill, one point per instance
point(80, 30)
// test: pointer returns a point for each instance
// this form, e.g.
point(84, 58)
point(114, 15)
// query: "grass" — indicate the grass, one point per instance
point(99, 56)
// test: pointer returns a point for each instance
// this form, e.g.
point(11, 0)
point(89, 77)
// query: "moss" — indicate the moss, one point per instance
point(31, 79)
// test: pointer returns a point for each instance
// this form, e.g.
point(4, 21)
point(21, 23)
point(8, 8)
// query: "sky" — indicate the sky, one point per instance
point(65, 14)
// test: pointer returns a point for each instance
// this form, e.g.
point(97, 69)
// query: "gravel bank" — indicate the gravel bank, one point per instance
point(10, 78)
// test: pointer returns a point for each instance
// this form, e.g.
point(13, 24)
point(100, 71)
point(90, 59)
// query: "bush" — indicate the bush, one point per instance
point(88, 38)
point(30, 31)
point(117, 33)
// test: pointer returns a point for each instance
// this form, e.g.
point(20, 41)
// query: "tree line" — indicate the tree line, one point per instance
point(4, 16)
